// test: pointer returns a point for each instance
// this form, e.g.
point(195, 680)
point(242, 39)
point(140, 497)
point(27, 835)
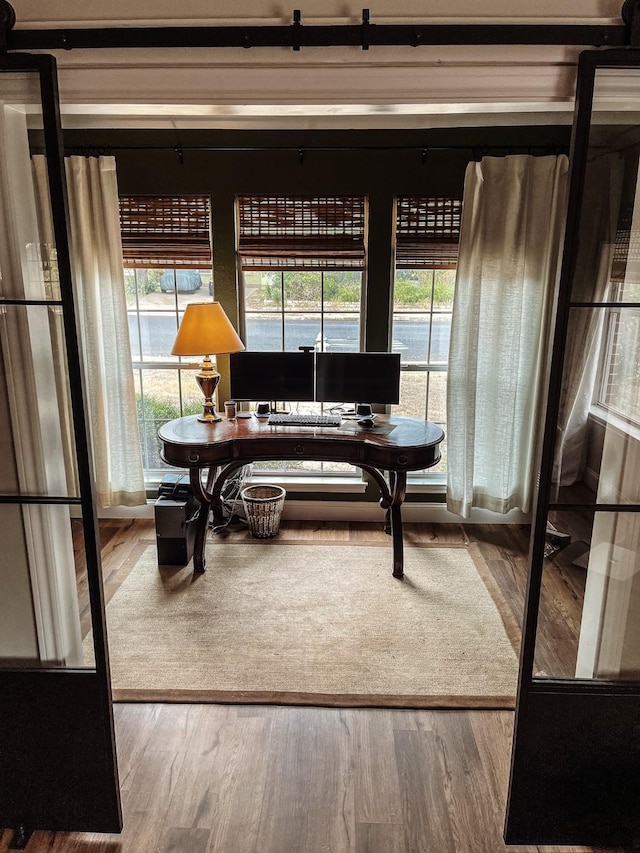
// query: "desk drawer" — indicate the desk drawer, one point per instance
point(320, 449)
point(403, 459)
point(298, 448)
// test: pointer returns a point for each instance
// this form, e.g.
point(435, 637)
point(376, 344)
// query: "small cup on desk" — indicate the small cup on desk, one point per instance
point(230, 410)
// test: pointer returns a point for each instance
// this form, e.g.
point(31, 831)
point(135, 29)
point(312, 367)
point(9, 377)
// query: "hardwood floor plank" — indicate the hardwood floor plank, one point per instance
point(154, 782)
point(424, 806)
point(418, 534)
point(222, 783)
point(329, 820)
point(286, 797)
point(471, 816)
point(134, 728)
point(184, 840)
point(377, 788)
point(490, 729)
point(66, 842)
point(308, 801)
point(176, 725)
point(379, 838)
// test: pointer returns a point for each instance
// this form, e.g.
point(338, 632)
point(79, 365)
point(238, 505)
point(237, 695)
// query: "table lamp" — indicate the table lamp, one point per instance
point(206, 330)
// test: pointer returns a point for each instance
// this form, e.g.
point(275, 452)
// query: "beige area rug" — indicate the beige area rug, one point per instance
point(312, 624)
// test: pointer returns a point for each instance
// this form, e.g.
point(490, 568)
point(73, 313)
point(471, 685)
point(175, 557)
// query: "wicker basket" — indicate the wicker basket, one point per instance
point(263, 507)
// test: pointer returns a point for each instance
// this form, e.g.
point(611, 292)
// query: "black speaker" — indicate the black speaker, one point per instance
point(176, 510)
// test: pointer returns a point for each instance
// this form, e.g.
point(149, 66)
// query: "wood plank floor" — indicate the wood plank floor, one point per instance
point(268, 779)
point(271, 779)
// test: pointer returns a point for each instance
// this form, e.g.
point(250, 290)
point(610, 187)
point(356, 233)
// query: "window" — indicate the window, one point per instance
point(166, 244)
point(617, 389)
point(302, 260)
point(427, 235)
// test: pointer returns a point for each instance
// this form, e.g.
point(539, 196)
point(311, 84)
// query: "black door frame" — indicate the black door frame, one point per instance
point(575, 767)
point(58, 766)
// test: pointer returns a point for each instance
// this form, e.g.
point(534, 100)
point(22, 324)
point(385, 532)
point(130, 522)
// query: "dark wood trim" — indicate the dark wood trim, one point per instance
point(337, 35)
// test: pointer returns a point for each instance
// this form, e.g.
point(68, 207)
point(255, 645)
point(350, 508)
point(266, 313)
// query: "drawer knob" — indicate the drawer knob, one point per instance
point(194, 457)
point(402, 459)
point(299, 449)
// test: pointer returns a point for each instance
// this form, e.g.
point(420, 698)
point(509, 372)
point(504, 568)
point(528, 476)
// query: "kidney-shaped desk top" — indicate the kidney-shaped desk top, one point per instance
point(392, 447)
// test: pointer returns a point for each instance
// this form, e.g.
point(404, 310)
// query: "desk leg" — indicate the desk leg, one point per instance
point(398, 483)
point(203, 494)
point(391, 498)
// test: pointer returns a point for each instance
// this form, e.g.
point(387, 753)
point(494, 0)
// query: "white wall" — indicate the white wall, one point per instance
point(381, 87)
point(41, 13)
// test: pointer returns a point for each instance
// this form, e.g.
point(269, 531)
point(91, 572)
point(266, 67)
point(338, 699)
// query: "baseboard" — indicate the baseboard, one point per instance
point(411, 512)
point(366, 511)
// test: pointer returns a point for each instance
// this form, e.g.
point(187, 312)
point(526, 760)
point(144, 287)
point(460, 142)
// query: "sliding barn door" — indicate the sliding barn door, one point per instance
point(575, 776)
point(57, 756)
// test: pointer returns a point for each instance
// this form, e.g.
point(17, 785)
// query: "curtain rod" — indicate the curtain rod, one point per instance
point(296, 36)
point(477, 151)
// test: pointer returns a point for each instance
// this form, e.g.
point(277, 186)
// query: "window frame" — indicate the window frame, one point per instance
point(312, 237)
point(427, 232)
point(163, 233)
point(140, 366)
point(320, 474)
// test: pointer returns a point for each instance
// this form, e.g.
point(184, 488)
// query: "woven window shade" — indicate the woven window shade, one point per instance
point(301, 232)
point(427, 232)
point(626, 252)
point(166, 231)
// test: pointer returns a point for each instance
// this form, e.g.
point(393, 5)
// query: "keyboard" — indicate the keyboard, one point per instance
point(291, 419)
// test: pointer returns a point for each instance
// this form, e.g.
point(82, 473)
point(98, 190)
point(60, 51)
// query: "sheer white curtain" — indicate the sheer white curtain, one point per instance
point(510, 238)
point(98, 269)
point(597, 234)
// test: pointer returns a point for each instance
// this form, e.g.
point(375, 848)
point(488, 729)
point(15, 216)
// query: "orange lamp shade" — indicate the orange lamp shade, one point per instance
point(206, 330)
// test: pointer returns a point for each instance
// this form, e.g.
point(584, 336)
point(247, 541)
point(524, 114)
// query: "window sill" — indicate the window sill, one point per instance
point(607, 419)
point(342, 485)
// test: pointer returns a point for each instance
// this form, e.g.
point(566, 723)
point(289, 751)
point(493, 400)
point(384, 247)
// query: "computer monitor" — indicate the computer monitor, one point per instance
point(358, 377)
point(272, 376)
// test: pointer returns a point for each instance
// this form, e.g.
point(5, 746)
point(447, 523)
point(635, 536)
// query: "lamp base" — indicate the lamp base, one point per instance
point(208, 379)
point(209, 417)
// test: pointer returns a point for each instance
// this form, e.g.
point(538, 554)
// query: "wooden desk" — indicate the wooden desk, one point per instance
point(394, 446)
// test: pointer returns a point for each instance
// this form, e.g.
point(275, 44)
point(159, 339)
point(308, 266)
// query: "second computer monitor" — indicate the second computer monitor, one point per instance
point(357, 377)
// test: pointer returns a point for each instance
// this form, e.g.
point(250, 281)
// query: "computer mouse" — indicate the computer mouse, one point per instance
point(365, 423)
